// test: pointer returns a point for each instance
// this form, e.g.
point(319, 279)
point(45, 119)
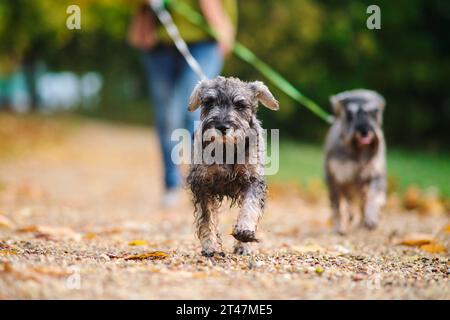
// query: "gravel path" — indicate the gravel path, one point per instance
point(73, 214)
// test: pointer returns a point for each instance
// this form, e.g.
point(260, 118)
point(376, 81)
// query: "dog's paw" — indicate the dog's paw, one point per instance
point(370, 224)
point(212, 253)
point(341, 232)
point(339, 229)
point(245, 235)
point(242, 249)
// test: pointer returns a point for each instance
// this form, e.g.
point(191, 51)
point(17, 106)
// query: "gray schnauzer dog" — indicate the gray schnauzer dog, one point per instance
point(355, 164)
point(229, 155)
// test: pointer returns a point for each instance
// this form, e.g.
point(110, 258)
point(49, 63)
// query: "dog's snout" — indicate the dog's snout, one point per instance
point(363, 130)
point(222, 127)
point(362, 125)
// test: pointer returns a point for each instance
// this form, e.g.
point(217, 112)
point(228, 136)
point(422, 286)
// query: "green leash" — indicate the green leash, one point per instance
point(248, 56)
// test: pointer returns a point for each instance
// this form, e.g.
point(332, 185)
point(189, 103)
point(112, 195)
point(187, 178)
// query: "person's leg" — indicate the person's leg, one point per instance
point(211, 60)
point(171, 82)
point(161, 68)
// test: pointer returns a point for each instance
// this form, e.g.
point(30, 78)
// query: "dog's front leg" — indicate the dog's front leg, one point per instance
point(340, 217)
point(207, 227)
point(252, 206)
point(373, 199)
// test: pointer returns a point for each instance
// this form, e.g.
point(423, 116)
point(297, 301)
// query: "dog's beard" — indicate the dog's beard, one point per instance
point(366, 145)
point(229, 148)
point(365, 141)
point(357, 143)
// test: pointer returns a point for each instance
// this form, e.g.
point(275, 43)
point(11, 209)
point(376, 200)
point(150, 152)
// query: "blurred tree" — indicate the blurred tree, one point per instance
point(324, 47)
point(33, 31)
point(321, 46)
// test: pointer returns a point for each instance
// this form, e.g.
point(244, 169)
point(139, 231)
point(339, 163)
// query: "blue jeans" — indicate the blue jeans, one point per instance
point(171, 82)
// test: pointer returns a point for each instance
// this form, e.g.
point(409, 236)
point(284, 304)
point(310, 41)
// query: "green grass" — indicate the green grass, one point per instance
point(420, 168)
point(302, 163)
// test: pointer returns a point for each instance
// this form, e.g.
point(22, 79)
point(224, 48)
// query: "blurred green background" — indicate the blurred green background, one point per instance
point(321, 46)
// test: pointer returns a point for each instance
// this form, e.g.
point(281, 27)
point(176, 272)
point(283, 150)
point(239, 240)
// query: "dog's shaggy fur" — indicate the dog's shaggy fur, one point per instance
point(355, 163)
point(228, 110)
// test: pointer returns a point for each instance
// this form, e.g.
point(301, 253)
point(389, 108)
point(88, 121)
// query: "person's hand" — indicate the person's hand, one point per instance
point(226, 43)
point(220, 22)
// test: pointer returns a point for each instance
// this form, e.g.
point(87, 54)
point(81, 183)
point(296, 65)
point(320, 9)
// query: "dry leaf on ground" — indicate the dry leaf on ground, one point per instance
point(425, 242)
point(28, 229)
point(138, 243)
point(446, 229)
point(90, 236)
point(155, 255)
point(51, 271)
point(434, 248)
point(105, 230)
point(431, 204)
point(412, 198)
point(426, 203)
point(49, 232)
point(18, 274)
point(417, 239)
point(5, 267)
point(7, 252)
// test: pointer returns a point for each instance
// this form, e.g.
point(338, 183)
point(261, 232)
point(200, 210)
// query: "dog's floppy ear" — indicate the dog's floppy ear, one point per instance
point(264, 96)
point(379, 100)
point(336, 104)
point(195, 99)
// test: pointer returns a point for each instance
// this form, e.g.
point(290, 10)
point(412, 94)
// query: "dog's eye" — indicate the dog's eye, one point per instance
point(208, 102)
point(240, 104)
point(349, 115)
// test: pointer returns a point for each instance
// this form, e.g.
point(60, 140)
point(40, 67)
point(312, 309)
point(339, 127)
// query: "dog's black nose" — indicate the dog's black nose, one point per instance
point(222, 127)
point(363, 130)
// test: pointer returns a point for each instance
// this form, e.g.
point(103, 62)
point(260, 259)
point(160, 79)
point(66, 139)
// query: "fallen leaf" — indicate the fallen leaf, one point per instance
point(446, 229)
point(412, 198)
point(417, 239)
point(138, 243)
point(427, 202)
point(319, 270)
point(155, 255)
point(431, 204)
point(106, 230)
point(90, 236)
point(50, 232)
point(6, 223)
point(199, 275)
point(314, 190)
point(51, 271)
point(6, 267)
point(28, 229)
point(7, 252)
point(434, 248)
point(21, 274)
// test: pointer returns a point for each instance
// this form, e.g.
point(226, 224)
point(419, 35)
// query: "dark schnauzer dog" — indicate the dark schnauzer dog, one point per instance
point(355, 163)
point(229, 156)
